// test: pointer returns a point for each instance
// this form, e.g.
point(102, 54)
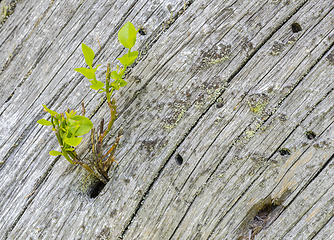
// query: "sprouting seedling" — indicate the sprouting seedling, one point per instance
point(89, 73)
point(70, 127)
point(127, 37)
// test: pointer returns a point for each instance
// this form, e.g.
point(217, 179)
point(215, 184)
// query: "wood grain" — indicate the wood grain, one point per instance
point(227, 117)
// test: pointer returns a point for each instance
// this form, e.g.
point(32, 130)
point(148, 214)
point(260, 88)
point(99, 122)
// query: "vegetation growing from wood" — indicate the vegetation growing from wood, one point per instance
point(70, 127)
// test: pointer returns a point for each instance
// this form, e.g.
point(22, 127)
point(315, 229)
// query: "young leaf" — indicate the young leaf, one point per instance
point(128, 58)
point(115, 85)
point(88, 53)
point(85, 125)
point(73, 127)
point(67, 115)
point(70, 114)
point(55, 153)
point(64, 153)
point(127, 35)
point(96, 67)
point(44, 122)
point(54, 120)
point(75, 141)
point(96, 85)
point(122, 83)
point(114, 75)
point(53, 113)
point(88, 73)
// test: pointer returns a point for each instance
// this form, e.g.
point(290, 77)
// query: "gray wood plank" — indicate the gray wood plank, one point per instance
point(327, 232)
point(187, 93)
point(51, 78)
point(21, 53)
point(218, 132)
point(286, 183)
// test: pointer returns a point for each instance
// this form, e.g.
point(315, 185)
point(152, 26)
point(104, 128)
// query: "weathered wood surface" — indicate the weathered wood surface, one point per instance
point(225, 85)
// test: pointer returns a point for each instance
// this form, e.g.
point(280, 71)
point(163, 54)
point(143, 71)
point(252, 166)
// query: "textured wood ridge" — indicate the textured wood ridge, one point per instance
point(227, 117)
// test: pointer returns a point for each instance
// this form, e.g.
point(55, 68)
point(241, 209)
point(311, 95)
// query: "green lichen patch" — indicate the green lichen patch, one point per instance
point(179, 108)
point(207, 58)
point(214, 91)
point(210, 93)
point(252, 129)
point(249, 134)
point(6, 10)
point(257, 103)
point(200, 101)
point(217, 54)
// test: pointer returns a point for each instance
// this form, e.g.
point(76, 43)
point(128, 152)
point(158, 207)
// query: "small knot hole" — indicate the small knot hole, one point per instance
point(219, 104)
point(296, 27)
point(96, 189)
point(284, 152)
point(310, 135)
point(142, 31)
point(178, 159)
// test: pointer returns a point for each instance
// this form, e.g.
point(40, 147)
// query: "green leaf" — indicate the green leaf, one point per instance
point(64, 153)
point(53, 113)
point(115, 85)
point(55, 121)
point(85, 125)
point(70, 114)
point(67, 115)
point(71, 122)
point(127, 35)
point(55, 153)
point(73, 141)
point(58, 116)
point(96, 67)
point(102, 90)
point(44, 122)
point(122, 83)
point(88, 53)
point(96, 85)
point(114, 75)
point(73, 127)
point(88, 73)
point(128, 58)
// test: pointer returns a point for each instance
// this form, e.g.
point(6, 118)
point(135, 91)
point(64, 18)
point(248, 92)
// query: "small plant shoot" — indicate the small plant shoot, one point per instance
point(70, 127)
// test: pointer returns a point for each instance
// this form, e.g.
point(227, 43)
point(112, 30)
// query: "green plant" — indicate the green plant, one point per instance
point(69, 127)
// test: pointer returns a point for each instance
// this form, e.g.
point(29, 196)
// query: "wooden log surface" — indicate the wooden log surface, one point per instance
point(227, 116)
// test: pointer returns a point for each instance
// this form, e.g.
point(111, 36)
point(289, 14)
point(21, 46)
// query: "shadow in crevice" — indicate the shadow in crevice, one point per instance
point(259, 217)
point(96, 188)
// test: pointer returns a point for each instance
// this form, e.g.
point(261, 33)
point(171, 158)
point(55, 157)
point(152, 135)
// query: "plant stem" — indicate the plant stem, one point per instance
point(67, 157)
point(107, 83)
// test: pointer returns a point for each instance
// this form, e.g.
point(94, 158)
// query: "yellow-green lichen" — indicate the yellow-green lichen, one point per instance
point(217, 54)
point(258, 108)
point(5, 10)
point(249, 134)
point(214, 93)
point(178, 112)
point(257, 103)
